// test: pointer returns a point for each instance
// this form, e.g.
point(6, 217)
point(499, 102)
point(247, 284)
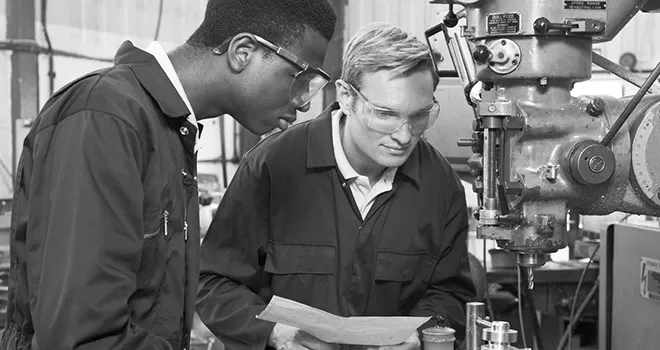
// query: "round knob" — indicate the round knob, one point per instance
point(450, 20)
point(481, 54)
point(542, 25)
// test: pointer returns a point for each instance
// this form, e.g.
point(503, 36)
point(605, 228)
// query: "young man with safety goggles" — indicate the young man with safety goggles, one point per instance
point(351, 212)
point(105, 233)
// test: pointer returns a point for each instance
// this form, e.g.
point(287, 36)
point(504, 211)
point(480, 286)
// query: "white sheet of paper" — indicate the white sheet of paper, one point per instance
point(330, 328)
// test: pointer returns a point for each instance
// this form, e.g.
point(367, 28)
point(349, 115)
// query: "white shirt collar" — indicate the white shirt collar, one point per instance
point(343, 165)
point(157, 50)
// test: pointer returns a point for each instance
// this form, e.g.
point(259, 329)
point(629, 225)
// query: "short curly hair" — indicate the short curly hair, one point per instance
point(281, 21)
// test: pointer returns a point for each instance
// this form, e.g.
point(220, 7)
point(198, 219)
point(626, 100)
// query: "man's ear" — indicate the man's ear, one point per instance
point(344, 96)
point(241, 51)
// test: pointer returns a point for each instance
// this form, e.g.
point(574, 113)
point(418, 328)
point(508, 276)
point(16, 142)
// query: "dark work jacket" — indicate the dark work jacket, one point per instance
point(288, 225)
point(105, 184)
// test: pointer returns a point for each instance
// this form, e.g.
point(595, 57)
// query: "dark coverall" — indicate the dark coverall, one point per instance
point(100, 254)
point(288, 225)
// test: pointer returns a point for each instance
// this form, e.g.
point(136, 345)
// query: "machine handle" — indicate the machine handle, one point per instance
point(621, 72)
point(542, 25)
point(630, 107)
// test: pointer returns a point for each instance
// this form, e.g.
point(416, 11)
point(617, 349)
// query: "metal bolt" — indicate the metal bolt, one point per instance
point(596, 164)
point(514, 62)
point(492, 108)
point(596, 107)
point(500, 55)
point(503, 42)
point(463, 142)
point(551, 173)
point(543, 81)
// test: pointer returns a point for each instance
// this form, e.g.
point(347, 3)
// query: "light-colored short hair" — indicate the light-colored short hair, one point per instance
point(378, 46)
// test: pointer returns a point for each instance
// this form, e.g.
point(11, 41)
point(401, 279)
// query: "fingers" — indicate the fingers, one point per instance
point(412, 343)
point(311, 342)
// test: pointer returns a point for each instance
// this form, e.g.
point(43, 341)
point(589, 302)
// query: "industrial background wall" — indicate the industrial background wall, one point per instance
point(96, 28)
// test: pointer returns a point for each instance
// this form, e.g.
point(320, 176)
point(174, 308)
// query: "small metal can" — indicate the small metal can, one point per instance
point(438, 338)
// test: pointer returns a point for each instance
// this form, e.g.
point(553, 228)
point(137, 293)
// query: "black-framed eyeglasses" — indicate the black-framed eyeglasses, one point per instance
point(306, 83)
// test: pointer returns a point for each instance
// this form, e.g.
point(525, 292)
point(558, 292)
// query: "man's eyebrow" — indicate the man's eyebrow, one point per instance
point(387, 109)
point(384, 109)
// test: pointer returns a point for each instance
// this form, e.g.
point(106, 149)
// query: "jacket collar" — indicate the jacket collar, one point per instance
point(152, 77)
point(320, 153)
point(319, 140)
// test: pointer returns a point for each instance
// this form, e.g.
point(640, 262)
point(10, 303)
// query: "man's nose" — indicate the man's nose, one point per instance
point(403, 135)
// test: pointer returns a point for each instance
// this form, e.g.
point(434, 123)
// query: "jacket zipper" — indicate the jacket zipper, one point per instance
point(185, 207)
point(166, 215)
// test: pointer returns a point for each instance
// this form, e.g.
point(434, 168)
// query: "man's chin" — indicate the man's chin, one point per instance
point(391, 161)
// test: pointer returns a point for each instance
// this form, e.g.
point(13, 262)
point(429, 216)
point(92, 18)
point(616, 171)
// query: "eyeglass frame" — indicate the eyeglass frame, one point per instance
point(404, 121)
point(286, 55)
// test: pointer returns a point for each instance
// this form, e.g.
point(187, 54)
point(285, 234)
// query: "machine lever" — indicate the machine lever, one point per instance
point(542, 25)
point(621, 72)
point(630, 107)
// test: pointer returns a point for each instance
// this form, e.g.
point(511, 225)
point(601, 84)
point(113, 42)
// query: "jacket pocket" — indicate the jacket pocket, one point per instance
point(401, 280)
point(301, 272)
point(404, 267)
point(288, 259)
point(154, 250)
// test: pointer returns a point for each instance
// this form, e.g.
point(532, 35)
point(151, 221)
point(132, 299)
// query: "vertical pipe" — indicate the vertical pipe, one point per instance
point(24, 80)
point(466, 57)
point(474, 311)
point(333, 59)
point(489, 169)
point(223, 151)
point(49, 46)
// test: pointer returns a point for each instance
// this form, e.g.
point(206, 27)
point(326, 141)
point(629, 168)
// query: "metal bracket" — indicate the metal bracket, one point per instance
point(586, 26)
point(513, 187)
point(514, 123)
point(495, 108)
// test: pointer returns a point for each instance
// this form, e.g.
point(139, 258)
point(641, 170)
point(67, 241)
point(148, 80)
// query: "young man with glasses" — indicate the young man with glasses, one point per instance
point(351, 212)
point(105, 222)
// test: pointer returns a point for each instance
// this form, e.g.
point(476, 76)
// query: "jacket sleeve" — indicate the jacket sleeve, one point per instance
point(87, 235)
point(451, 285)
point(231, 268)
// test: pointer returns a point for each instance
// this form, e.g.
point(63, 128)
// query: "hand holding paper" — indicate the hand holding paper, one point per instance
point(412, 343)
point(287, 337)
point(362, 330)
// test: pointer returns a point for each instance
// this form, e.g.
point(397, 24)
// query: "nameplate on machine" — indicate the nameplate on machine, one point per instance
point(503, 23)
point(650, 279)
point(585, 5)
